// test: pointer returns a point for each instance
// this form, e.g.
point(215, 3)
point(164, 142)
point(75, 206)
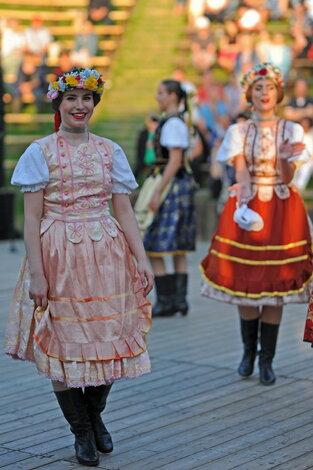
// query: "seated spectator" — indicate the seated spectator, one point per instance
point(30, 86)
point(305, 171)
point(280, 54)
point(195, 10)
point(247, 56)
point(180, 6)
point(203, 48)
point(12, 49)
point(219, 10)
point(208, 87)
point(303, 44)
point(233, 94)
point(38, 38)
point(215, 113)
point(98, 11)
point(65, 64)
point(299, 42)
point(277, 8)
point(263, 46)
point(228, 46)
point(252, 15)
point(85, 45)
point(301, 104)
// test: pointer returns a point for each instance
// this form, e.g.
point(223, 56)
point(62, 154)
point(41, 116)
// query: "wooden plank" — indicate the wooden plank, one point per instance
point(32, 462)
point(57, 16)
point(11, 457)
point(63, 4)
point(21, 118)
point(193, 396)
point(109, 30)
point(95, 61)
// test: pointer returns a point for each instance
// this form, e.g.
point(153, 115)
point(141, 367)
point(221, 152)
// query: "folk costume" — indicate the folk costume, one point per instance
point(172, 230)
point(272, 266)
point(93, 331)
point(173, 227)
point(94, 327)
point(261, 256)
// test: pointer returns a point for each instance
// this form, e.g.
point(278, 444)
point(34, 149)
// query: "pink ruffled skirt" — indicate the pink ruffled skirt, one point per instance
point(93, 330)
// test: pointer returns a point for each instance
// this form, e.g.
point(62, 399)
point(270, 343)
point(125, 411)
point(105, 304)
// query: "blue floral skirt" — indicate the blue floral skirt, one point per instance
point(173, 230)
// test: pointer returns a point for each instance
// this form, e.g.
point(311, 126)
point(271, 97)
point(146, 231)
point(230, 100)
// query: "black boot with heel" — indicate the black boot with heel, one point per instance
point(249, 333)
point(74, 409)
point(269, 334)
point(95, 398)
point(165, 292)
point(181, 283)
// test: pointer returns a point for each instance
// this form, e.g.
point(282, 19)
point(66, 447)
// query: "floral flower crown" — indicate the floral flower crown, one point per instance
point(264, 70)
point(84, 78)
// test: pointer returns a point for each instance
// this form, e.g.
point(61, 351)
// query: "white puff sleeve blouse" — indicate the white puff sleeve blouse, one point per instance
point(32, 173)
point(232, 144)
point(175, 134)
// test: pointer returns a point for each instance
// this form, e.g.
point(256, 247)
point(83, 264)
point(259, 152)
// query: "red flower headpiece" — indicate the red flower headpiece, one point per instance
point(264, 70)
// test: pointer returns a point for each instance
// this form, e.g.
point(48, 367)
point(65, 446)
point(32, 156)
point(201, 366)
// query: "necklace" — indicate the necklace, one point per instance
point(259, 119)
point(74, 130)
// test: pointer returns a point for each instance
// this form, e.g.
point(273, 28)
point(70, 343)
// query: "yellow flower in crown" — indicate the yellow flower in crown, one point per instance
point(71, 81)
point(91, 83)
point(83, 78)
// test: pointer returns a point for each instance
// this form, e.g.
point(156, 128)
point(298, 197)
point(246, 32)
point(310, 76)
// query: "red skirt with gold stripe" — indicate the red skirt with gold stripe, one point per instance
point(269, 267)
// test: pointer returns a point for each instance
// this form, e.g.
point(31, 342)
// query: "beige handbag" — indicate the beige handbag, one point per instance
point(143, 213)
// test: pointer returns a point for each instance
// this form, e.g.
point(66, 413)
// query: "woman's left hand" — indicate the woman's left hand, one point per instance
point(288, 150)
point(146, 276)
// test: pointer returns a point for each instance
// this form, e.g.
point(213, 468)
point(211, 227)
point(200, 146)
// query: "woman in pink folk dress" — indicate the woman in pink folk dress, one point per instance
point(79, 310)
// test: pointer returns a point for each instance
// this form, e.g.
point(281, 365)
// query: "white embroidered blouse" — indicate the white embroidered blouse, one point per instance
point(32, 173)
point(260, 145)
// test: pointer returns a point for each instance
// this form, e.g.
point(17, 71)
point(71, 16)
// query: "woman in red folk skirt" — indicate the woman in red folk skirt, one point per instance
point(260, 257)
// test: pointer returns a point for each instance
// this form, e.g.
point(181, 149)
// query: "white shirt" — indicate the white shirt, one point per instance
point(174, 134)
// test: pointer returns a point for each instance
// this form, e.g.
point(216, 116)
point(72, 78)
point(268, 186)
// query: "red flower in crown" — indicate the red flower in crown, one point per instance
point(263, 71)
point(64, 79)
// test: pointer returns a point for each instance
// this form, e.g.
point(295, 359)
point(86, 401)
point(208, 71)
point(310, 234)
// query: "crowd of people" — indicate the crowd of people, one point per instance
point(26, 51)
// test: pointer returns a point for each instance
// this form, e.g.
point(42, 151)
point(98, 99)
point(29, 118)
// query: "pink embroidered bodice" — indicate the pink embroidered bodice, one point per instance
point(79, 188)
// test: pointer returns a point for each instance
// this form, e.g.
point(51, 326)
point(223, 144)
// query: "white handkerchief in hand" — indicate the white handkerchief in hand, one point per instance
point(248, 219)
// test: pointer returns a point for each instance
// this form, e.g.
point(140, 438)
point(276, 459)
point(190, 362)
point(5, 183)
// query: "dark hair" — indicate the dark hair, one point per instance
point(280, 93)
point(57, 101)
point(174, 86)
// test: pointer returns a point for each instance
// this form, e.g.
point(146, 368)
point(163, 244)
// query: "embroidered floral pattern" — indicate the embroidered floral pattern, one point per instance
point(74, 232)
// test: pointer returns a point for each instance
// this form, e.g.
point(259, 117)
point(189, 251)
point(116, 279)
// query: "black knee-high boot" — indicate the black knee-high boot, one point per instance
point(165, 292)
point(181, 283)
point(269, 334)
point(74, 409)
point(96, 398)
point(249, 333)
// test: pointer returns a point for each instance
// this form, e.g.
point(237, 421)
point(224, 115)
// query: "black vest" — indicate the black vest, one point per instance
point(162, 153)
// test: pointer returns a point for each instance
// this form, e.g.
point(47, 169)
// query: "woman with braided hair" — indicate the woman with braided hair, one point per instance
point(172, 230)
point(260, 257)
point(79, 310)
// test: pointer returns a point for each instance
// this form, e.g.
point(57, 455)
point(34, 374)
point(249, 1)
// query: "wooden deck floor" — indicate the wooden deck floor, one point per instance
point(192, 412)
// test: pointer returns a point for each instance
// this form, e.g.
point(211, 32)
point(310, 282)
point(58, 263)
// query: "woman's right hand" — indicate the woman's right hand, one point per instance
point(38, 291)
point(155, 201)
point(243, 192)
